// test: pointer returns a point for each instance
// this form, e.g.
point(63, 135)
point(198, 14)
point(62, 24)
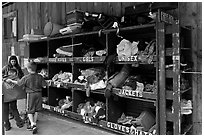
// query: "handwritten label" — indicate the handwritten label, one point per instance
point(52, 59)
point(131, 58)
point(87, 59)
point(129, 130)
point(58, 110)
point(133, 93)
point(57, 59)
point(61, 59)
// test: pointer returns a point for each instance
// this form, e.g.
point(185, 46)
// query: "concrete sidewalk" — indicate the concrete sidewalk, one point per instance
point(51, 124)
point(48, 124)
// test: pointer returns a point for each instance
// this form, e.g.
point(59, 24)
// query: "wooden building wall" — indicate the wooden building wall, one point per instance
point(34, 15)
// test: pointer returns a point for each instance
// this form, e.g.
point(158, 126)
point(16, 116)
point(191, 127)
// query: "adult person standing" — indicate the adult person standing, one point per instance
point(12, 64)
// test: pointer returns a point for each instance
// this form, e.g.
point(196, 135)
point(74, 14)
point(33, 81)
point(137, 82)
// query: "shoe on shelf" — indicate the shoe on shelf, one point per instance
point(122, 118)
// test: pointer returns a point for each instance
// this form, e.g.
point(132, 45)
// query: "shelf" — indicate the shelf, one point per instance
point(62, 112)
point(133, 94)
point(68, 85)
point(131, 28)
point(60, 60)
point(70, 60)
point(122, 129)
point(39, 59)
point(169, 93)
point(76, 86)
point(97, 32)
point(169, 51)
point(98, 91)
point(104, 124)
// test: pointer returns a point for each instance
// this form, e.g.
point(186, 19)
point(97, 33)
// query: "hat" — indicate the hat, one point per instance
point(32, 66)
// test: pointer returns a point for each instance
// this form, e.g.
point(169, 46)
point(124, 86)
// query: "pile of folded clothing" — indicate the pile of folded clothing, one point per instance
point(151, 87)
point(93, 78)
point(186, 107)
point(91, 111)
point(65, 104)
point(133, 83)
point(44, 73)
point(126, 49)
point(61, 78)
point(146, 56)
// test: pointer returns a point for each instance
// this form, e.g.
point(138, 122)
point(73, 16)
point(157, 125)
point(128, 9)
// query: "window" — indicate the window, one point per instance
point(10, 25)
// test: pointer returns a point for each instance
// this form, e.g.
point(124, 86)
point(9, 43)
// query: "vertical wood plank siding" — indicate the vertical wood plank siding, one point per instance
point(190, 15)
point(36, 15)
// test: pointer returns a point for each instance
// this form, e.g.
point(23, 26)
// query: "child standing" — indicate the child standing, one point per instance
point(33, 83)
point(11, 95)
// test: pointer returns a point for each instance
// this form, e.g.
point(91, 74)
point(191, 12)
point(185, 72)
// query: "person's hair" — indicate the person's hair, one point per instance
point(17, 66)
point(13, 58)
point(32, 66)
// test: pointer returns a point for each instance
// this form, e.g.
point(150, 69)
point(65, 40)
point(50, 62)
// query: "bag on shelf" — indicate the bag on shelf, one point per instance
point(71, 29)
point(75, 16)
point(52, 29)
point(146, 120)
point(98, 21)
point(117, 80)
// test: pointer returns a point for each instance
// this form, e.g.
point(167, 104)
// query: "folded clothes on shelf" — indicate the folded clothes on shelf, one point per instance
point(64, 77)
point(126, 48)
point(91, 111)
point(186, 107)
point(65, 103)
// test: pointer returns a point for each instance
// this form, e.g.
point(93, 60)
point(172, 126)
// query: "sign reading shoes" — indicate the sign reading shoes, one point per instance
point(129, 130)
point(131, 58)
point(132, 93)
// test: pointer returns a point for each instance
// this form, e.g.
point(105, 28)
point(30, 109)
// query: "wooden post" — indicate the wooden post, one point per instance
point(161, 97)
point(176, 78)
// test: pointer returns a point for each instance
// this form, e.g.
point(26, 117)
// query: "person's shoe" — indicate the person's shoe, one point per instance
point(7, 128)
point(34, 128)
point(20, 125)
point(11, 116)
point(29, 128)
